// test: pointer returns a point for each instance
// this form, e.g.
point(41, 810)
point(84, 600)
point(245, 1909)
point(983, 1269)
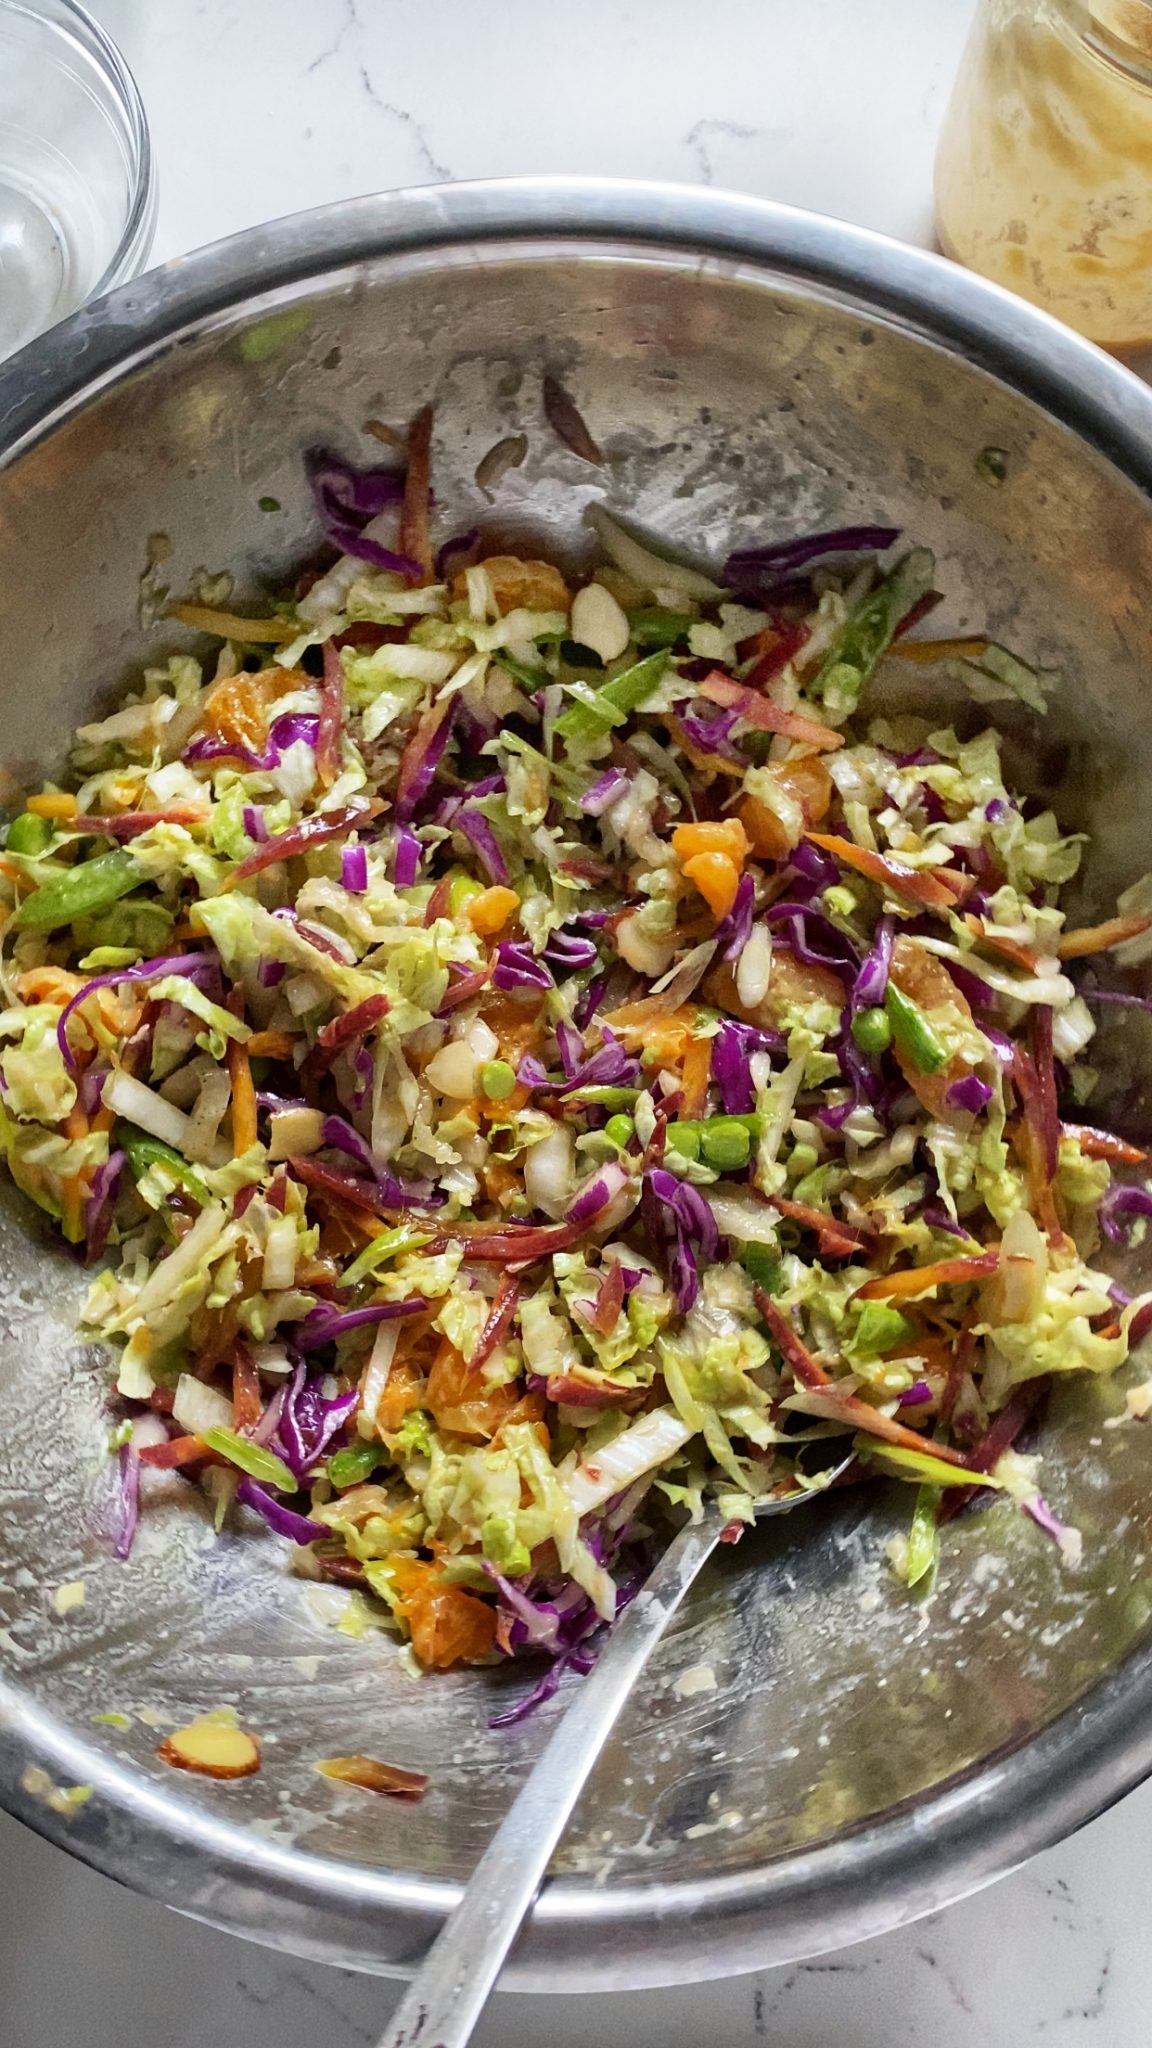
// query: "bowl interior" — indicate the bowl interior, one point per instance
point(733, 405)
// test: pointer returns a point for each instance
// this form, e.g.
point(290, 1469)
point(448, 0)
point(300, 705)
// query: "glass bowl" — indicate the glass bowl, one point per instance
point(77, 187)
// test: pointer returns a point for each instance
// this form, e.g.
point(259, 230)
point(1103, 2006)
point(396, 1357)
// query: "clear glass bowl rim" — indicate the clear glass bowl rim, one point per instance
point(135, 241)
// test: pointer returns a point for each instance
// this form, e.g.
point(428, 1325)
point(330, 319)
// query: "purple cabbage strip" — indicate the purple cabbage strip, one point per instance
point(916, 1394)
point(734, 931)
point(270, 972)
point(354, 869)
point(1119, 1201)
point(761, 569)
point(970, 1094)
point(351, 541)
point(285, 1521)
point(340, 490)
point(324, 1325)
point(342, 1136)
point(937, 1218)
point(712, 735)
point(476, 828)
point(1116, 995)
point(424, 777)
point(603, 792)
point(590, 1002)
point(1000, 1042)
point(977, 993)
point(732, 1049)
point(1044, 1519)
point(101, 1201)
point(693, 1231)
point(460, 544)
point(814, 864)
point(282, 733)
point(406, 853)
point(566, 953)
point(309, 1420)
point(187, 964)
point(609, 1067)
point(871, 984)
point(843, 960)
point(254, 825)
point(517, 967)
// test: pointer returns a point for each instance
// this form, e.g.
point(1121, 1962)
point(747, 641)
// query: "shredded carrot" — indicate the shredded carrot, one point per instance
point(52, 803)
point(697, 1072)
point(48, 984)
point(1009, 949)
point(270, 1045)
point(938, 650)
point(929, 886)
point(247, 1400)
point(243, 1098)
point(230, 626)
point(1098, 938)
point(917, 1279)
point(1103, 1144)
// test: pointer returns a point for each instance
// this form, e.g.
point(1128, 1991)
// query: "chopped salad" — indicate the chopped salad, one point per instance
point(527, 1053)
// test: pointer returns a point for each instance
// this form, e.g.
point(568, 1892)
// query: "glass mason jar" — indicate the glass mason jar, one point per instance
point(1044, 166)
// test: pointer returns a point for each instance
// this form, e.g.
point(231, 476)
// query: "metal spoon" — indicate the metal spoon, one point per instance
point(452, 1987)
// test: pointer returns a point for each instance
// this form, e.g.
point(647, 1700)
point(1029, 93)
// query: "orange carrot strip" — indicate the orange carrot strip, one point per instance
point(922, 885)
point(937, 650)
point(697, 1072)
point(768, 715)
point(916, 1279)
point(247, 1399)
point(270, 1045)
point(243, 1098)
point(1099, 938)
point(1096, 1144)
point(1009, 949)
point(230, 626)
point(179, 1450)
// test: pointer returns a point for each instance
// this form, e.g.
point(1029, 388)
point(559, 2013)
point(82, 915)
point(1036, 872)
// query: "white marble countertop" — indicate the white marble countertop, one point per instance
point(260, 107)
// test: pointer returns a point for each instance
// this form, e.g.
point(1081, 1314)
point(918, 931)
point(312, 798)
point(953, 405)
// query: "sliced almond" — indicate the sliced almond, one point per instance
point(213, 1749)
point(374, 1776)
point(599, 622)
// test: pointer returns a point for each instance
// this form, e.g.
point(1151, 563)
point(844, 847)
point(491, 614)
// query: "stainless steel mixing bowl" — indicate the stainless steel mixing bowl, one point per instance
point(863, 1756)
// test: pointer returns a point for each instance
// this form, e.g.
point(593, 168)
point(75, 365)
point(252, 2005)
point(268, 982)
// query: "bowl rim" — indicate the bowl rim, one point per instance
point(919, 1855)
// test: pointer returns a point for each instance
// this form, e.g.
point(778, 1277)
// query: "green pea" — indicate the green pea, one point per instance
point(684, 1139)
point(497, 1079)
point(725, 1143)
point(620, 1129)
point(872, 1030)
point(29, 835)
point(353, 1465)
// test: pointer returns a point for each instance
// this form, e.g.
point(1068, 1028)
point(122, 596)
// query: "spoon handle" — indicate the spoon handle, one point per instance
point(451, 1988)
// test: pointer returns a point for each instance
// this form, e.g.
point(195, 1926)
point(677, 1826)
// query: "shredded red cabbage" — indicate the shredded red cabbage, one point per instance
point(844, 957)
point(694, 1234)
point(285, 1521)
point(450, 555)
point(734, 931)
point(406, 853)
point(1120, 1201)
point(603, 792)
point(732, 1049)
point(760, 571)
point(970, 1094)
point(354, 869)
point(341, 491)
point(871, 984)
point(190, 965)
point(418, 768)
point(567, 953)
point(517, 967)
point(324, 1325)
point(101, 1201)
point(599, 1192)
point(1044, 1519)
point(254, 826)
point(1117, 995)
point(476, 828)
